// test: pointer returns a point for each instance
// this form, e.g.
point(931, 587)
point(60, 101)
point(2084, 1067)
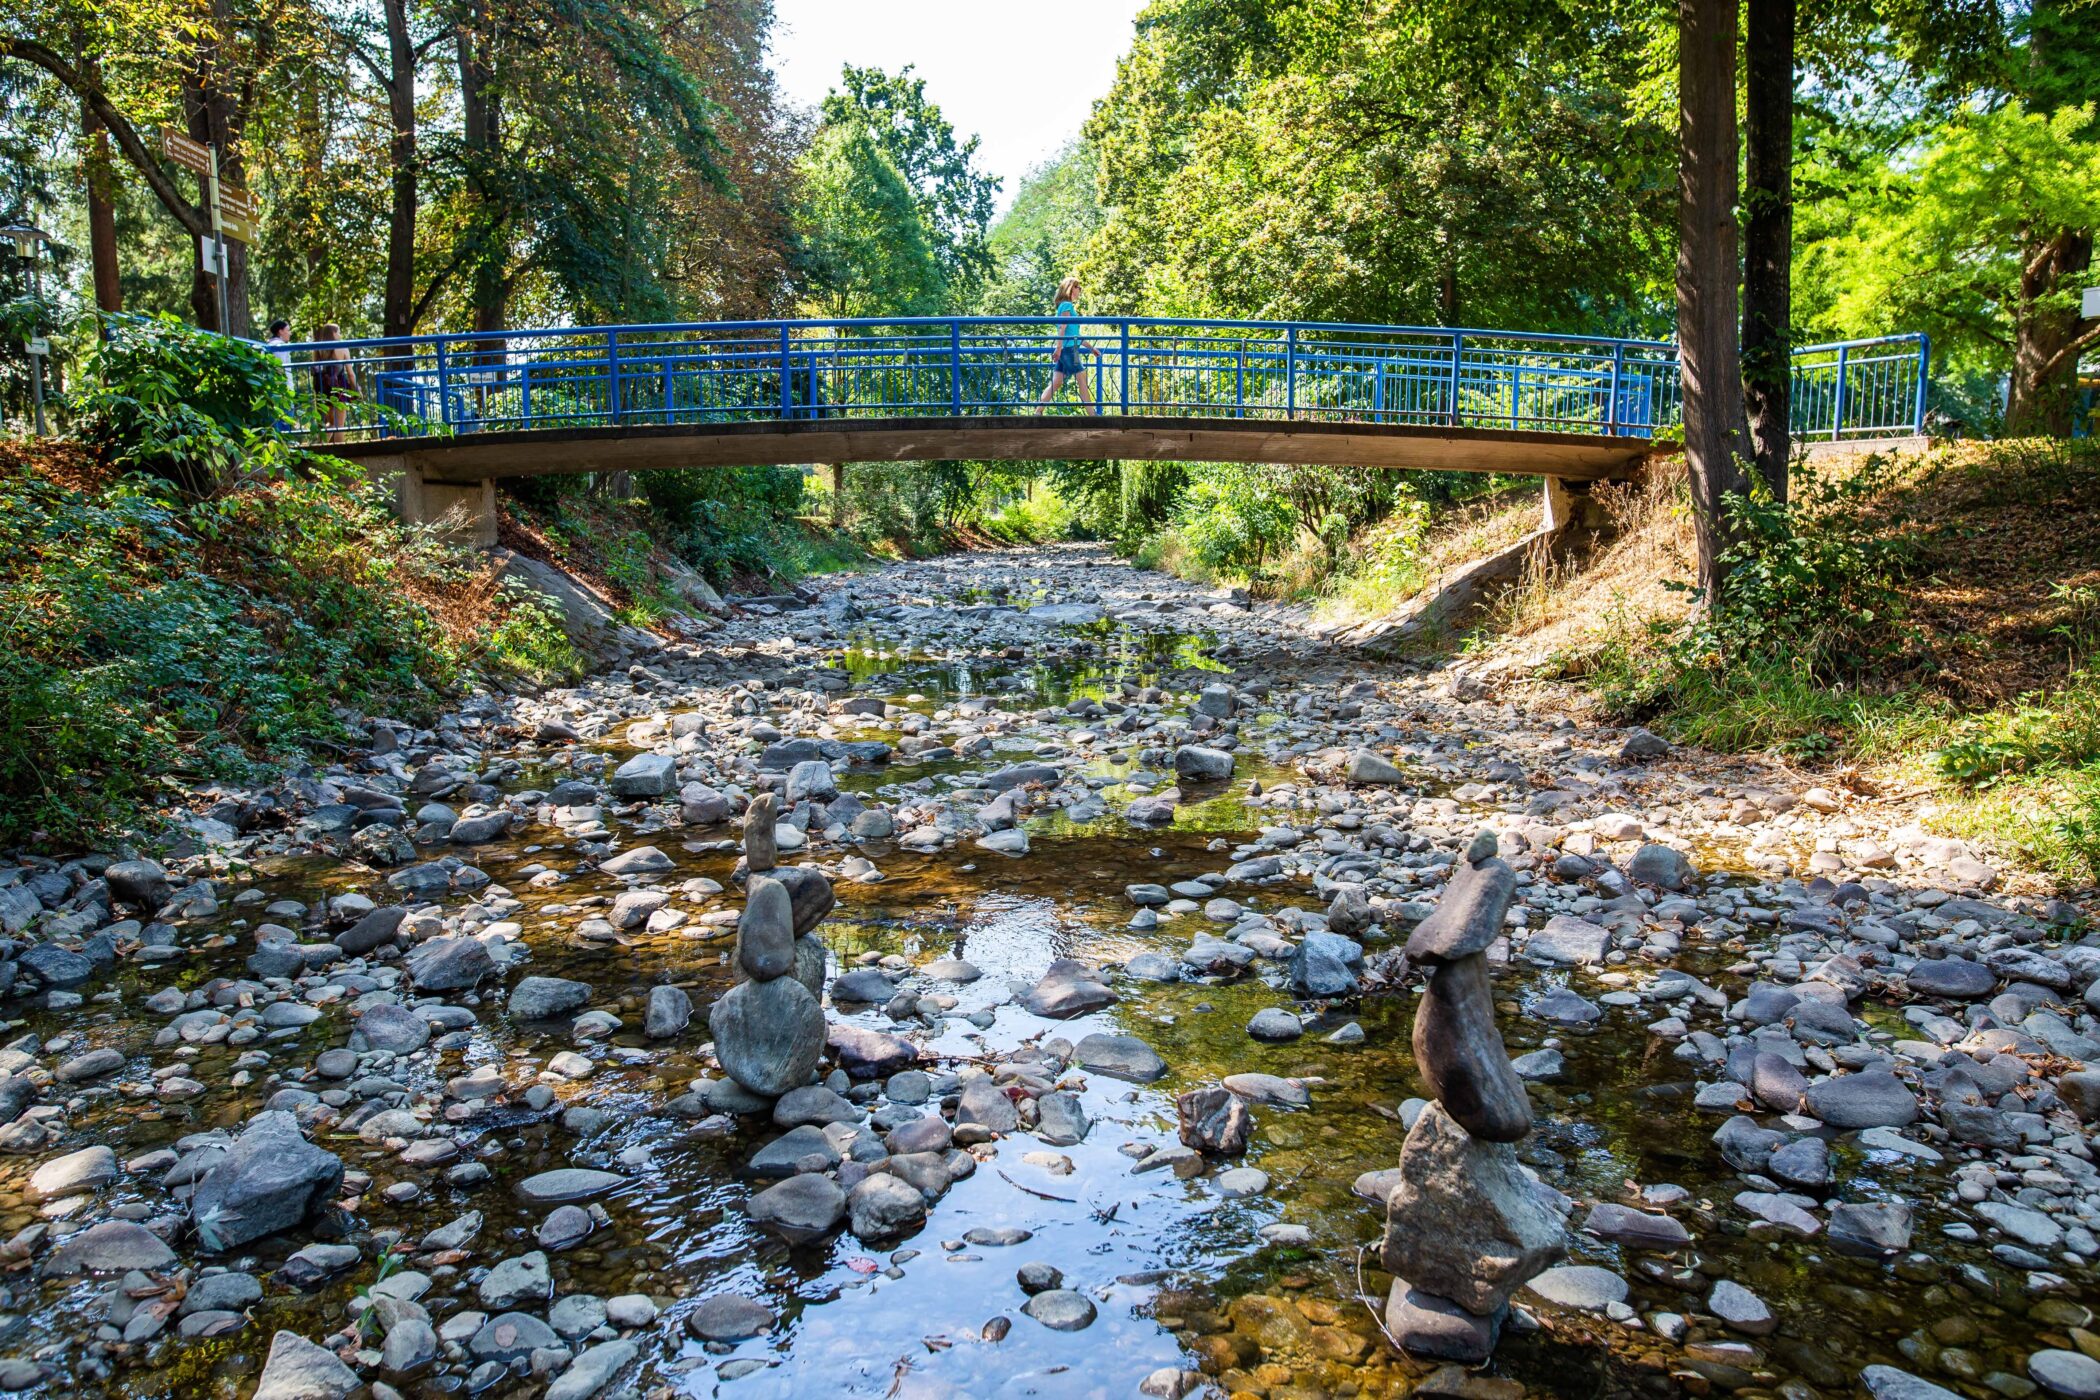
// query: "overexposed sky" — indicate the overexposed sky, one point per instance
point(1021, 76)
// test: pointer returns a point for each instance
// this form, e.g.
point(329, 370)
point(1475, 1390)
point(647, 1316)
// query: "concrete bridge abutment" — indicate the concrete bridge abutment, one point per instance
point(464, 511)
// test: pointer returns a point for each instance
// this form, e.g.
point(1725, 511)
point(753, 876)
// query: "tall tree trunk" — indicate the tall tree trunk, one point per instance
point(101, 204)
point(397, 315)
point(481, 114)
point(1716, 435)
point(2047, 340)
point(1768, 235)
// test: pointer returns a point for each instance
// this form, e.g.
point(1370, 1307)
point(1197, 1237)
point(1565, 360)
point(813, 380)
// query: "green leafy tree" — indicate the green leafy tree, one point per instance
point(954, 198)
point(864, 249)
point(1042, 238)
point(1984, 242)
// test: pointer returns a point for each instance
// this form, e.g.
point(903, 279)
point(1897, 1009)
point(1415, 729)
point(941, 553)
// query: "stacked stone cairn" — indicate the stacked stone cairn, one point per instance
point(1465, 1227)
point(769, 1028)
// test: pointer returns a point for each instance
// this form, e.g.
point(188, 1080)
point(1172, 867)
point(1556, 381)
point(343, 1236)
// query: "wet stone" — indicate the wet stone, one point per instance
point(1061, 1309)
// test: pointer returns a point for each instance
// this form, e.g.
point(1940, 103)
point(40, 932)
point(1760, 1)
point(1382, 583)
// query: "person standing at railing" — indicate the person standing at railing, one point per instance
point(1071, 348)
point(335, 382)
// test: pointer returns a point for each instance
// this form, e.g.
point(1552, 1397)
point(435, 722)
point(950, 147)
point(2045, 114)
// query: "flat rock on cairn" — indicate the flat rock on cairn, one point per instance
point(1465, 1227)
point(769, 1030)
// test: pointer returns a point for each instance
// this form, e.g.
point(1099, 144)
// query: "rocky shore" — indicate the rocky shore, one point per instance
point(995, 976)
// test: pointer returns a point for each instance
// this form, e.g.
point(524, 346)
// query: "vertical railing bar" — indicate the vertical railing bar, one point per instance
point(444, 387)
point(1458, 350)
point(1618, 361)
point(955, 368)
point(612, 376)
point(787, 402)
point(1917, 425)
point(1837, 401)
point(1290, 372)
point(1125, 351)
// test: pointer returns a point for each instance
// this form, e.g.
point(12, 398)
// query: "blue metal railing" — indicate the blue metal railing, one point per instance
point(971, 366)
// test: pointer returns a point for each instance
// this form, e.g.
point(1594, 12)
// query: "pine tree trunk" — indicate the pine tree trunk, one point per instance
point(1768, 235)
point(1716, 435)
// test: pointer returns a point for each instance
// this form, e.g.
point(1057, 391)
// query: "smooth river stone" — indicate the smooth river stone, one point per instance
point(761, 847)
point(1459, 1051)
point(765, 935)
point(768, 1035)
point(1465, 1223)
point(1468, 916)
point(811, 892)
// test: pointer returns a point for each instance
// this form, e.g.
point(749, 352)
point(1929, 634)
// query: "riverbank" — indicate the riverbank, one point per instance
point(1838, 1054)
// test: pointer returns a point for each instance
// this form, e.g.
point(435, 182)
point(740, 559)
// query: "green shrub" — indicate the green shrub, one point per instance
point(726, 521)
point(149, 635)
point(183, 404)
point(1812, 583)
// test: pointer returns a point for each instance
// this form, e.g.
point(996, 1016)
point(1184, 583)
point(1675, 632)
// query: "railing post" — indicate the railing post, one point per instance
point(669, 412)
point(1917, 423)
point(787, 393)
point(1290, 373)
point(955, 368)
point(1837, 398)
point(1458, 352)
point(1239, 383)
point(1611, 420)
point(444, 387)
point(1516, 394)
point(612, 376)
point(1378, 392)
point(1124, 354)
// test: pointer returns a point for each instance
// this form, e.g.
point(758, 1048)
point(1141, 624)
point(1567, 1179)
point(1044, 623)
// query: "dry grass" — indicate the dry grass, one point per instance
point(1565, 607)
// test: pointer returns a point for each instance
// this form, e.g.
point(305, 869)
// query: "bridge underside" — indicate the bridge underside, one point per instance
point(452, 480)
point(470, 459)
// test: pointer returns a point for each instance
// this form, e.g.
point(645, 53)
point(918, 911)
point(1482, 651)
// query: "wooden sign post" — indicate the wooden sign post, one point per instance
point(233, 211)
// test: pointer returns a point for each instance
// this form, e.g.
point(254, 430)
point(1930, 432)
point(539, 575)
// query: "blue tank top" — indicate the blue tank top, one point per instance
point(1071, 330)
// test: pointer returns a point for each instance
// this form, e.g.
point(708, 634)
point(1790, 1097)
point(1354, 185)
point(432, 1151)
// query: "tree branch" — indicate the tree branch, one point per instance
point(2068, 355)
point(120, 127)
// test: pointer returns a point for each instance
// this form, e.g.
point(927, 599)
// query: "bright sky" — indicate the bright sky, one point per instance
point(1021, 76)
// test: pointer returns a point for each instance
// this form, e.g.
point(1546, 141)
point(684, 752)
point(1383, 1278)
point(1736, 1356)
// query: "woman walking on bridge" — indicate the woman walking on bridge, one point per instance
point(1070, 347)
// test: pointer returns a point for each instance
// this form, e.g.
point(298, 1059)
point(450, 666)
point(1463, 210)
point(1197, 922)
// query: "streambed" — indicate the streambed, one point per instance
point(1268, 1293)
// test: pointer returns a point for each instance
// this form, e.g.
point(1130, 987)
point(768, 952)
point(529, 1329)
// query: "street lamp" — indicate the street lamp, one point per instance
point(26, 238)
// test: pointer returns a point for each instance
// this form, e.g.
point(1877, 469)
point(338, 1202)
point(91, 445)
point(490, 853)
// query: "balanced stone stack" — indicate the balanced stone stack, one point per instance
point(1465, 1228)
point(769, 1028)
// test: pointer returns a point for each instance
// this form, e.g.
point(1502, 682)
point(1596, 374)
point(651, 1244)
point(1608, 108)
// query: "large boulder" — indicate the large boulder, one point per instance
point(1656, 864)
point(301, 1370)
point(1068, 988)
point(450, 964)
point(542, 998)
point(1325, 964)
point(768, 1035)
point(645, 775)
point(1195, 764)
point(1465, 1223)
point(1869, 1099)
point(271, 1179)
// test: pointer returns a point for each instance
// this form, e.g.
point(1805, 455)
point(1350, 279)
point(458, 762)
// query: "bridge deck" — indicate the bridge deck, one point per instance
point(1021, 437)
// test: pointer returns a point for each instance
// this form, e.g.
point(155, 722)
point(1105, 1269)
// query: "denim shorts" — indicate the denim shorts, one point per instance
point(1068, 361)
